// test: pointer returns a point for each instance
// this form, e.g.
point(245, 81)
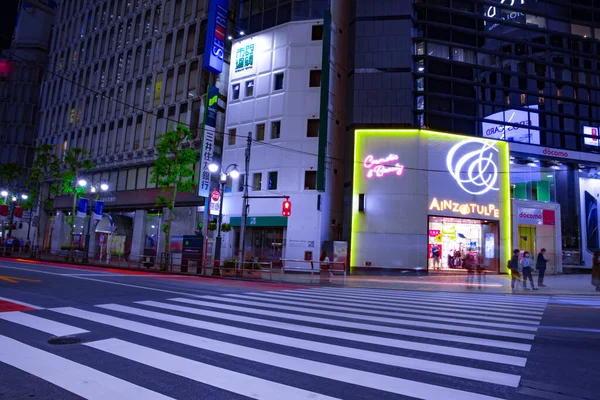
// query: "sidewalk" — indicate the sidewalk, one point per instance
point(579, 284)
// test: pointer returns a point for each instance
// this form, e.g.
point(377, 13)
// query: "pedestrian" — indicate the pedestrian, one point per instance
point(513, 265)
point(435, 252)
point(526, 268)
point(540, 265)
point(480, 273)
point(469, 265)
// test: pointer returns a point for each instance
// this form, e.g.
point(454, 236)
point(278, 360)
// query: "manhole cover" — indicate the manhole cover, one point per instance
point(65, 340)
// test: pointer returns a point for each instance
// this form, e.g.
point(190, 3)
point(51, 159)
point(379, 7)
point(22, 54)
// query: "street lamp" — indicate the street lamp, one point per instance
point(14, 197)
point(233, 172)
point(93, 189)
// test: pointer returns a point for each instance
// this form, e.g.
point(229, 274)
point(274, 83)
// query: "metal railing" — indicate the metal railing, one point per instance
point(326, 269)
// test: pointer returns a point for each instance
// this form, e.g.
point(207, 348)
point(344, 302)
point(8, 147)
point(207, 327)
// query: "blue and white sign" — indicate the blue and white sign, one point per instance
point(98, 209)
point(212, 106)
point(216, 31)
point(82, 208)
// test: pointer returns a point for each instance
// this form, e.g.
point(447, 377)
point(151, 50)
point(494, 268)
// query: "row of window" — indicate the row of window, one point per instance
point(312, 131)
point(278, 78)
point(256, 183)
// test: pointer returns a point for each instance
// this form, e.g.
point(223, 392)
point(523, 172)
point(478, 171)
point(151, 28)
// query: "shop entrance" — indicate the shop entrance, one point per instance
point(533, 238)
point(264, 244)
point(451, 239)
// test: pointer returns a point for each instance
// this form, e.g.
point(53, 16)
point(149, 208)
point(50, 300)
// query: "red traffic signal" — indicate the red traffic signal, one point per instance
point(286, 208)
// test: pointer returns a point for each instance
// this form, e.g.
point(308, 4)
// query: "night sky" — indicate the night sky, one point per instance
point(8, 18)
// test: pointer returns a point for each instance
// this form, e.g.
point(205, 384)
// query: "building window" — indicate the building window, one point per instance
point(260, 132)
point(275, 129)
point(241, 180)
point(315, 78)
point(317, 32)
point(310, 180)
point(278, 83)
point(257, 181)
point(272, 183)
point(250, 88)
point(312, 128)
point(232, 136)
point(235, 89)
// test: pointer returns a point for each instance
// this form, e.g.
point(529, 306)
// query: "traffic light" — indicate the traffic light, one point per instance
point(286, 209)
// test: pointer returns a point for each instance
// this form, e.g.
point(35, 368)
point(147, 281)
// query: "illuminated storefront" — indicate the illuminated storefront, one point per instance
point(415, 190)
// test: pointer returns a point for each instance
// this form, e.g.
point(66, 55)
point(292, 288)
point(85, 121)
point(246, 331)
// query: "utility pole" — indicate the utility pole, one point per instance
point(245, 204)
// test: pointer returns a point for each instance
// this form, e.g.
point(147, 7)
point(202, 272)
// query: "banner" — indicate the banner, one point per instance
point(216, 31)
point(212, 106)
point(98, 209)
point(3, 211)
point(82, 208)
point(18, 213)
point(206, 159)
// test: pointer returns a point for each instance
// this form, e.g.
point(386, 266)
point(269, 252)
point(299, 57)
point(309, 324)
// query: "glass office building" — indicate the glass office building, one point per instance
point(523, 71)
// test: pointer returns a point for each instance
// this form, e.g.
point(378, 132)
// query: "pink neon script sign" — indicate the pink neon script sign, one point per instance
point(380, 167)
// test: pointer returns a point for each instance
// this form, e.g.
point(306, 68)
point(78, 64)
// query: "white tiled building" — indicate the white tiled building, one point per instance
point(275, 96)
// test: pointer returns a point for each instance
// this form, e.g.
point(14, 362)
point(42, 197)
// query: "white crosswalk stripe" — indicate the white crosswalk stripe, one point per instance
point(374, 343)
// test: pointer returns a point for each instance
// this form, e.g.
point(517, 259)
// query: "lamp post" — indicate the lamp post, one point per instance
point(232, 171)
point(93, 189)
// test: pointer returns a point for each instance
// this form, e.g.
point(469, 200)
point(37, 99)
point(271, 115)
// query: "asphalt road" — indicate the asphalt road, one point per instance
point(71, 333)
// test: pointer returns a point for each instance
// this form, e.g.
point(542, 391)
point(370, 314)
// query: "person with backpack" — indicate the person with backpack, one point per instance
point(526, 268)
point(513, 265)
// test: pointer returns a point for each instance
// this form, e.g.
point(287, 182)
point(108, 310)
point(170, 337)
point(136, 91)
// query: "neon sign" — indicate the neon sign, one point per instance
point(382, 166)
point(492, 12)
point(477, 159)
point(464, 208)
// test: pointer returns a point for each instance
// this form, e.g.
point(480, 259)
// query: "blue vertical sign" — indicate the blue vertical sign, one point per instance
point(216, 31)
point(82, 208)
point(212, 106)
point(98, 210)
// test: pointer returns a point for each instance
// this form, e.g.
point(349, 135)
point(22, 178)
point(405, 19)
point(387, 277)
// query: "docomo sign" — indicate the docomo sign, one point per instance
point(464, 208)
point(475, 160)
point(535, 216)
point(382, 166)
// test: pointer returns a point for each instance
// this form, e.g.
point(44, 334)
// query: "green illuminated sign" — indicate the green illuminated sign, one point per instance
point(244, 58)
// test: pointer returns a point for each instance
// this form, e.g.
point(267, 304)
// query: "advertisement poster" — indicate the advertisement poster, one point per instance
point(590, 220)
point(489, 250)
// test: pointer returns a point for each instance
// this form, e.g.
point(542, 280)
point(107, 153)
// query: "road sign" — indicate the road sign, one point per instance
point(101, 238)
point(215, 195)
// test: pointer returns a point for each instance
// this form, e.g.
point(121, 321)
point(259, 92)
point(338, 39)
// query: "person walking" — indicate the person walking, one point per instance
point(469, 265)
point(540, 265)
point(526, 267)
point(513, 265)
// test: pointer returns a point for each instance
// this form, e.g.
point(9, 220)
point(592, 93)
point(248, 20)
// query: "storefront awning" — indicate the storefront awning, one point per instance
point(260, 221)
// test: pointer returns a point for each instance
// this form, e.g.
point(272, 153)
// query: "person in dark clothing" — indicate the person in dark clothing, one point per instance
point(540, 265)
point(513, 265)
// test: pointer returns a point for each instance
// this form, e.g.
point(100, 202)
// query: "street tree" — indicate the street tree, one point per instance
point(42, 181)
point(173, 172)
point(74, 162)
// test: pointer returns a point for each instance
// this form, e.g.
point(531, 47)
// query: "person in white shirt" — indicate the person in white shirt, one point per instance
point(526, 267)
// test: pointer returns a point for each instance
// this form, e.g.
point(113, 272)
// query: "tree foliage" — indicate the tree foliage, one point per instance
point(173, 171)
point(43, 173)
point(9, 175)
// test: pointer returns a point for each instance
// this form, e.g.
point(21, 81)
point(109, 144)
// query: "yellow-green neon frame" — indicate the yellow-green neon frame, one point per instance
point(358, 179)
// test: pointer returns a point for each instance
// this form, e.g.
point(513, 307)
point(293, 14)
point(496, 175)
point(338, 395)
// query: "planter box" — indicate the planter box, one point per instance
point(228, 272)
point(252, 274)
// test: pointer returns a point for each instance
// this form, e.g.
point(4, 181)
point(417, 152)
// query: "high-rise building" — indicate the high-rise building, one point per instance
point(521, 71)
point(21, 76)
point(124, 72)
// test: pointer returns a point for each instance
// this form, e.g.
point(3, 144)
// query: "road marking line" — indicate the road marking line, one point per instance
point(42, 324)
point(435, 367)
point(565, 328)
point(356, 337)
point(21, 303)
point(470, 298)
point(363, 326)
point(396, 321)
point(69, 375)
point(343, 374)
point(231, 381)
point(379, 310)
point(423, 304)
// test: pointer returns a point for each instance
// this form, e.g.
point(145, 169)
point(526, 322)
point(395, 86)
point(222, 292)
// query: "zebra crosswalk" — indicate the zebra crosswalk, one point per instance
point(316, 343)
